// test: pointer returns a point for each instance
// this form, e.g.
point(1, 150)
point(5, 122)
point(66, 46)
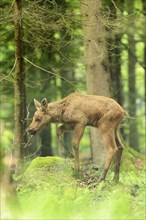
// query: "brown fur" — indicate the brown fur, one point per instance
point(77, 111)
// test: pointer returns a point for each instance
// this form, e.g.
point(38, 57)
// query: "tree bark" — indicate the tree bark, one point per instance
point(144, 14)
point(46, 140)
point(96, 64)
point(65, 90)
point(115, 57)
point(115, 69)
point(133, 131)
point(19, 86)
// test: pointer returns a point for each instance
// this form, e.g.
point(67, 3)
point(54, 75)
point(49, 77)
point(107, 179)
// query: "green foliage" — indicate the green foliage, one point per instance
point(53, 40)
point(132, 160)
point(48, 190)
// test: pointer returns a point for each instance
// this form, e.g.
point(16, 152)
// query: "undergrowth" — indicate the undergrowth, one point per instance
point(52, 191)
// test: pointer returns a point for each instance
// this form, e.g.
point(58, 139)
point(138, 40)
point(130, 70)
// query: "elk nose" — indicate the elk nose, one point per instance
point(31, 131)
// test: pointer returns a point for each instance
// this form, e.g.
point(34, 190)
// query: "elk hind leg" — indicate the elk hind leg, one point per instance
point(111, 148)
point(118, 157)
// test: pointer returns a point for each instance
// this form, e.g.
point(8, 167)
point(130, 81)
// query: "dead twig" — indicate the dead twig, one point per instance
point(54, 74)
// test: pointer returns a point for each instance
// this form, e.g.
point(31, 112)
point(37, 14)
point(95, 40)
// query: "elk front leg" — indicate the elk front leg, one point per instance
point(60, 132)
point(78, 133)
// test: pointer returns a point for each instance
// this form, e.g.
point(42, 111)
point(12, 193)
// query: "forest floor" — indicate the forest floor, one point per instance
point(50, 189)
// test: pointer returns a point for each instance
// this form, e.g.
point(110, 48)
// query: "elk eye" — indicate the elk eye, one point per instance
point(38, 119)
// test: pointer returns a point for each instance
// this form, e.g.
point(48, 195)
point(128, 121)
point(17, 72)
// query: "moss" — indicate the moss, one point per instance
point(129, 159)
point(43, 164)
point(134, 153)
point(46, 172)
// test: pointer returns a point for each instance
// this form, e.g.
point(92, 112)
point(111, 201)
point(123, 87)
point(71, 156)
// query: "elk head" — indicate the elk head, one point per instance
point(41, 117)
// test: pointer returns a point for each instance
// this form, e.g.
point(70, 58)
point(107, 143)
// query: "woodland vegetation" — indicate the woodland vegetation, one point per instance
point(50, 49)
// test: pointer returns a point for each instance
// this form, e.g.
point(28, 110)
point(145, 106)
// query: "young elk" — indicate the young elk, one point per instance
point(77, 111)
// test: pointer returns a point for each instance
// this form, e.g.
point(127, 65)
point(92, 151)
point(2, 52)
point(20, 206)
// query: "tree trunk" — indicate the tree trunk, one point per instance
point(65, 90)
point(133, 132)
point(19, 86)
point(115, 57)
point(144, 14)
point(115, 69)
point(46, 140)
point(96, 64)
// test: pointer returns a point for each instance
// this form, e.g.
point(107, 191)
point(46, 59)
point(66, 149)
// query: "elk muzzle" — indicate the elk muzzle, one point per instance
point(31, 131)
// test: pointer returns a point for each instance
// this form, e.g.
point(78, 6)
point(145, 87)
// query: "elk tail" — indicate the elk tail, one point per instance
point(127, 116)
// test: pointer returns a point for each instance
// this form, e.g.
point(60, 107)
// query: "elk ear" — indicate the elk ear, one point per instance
point(44, 104)
point(37, 104)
